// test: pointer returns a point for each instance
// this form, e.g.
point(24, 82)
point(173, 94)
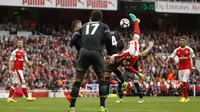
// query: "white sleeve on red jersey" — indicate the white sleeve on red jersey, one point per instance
point(192, 55)
point(25, 57)
point(112, 58)
point(173, 54)
point(13, 55)
point(134, 48)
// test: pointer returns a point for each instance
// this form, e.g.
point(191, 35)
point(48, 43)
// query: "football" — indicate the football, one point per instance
point(124, 23)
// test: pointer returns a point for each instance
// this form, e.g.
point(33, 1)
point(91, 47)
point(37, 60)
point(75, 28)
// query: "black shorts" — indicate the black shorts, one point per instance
point(112, 67)
point(90, 57)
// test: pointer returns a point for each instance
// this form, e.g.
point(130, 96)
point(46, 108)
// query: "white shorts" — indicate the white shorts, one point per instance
point(18, 77)
point(184, 75)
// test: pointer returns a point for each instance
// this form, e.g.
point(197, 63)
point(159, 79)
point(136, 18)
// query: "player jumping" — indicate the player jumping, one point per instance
point(134, 51)
point(17, 58)
point(184, 53)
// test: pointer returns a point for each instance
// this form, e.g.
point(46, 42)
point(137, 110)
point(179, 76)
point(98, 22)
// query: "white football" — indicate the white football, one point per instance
point(124, 23)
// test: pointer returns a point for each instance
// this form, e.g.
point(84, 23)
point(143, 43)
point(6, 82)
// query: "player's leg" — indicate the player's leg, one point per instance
point(99, 66)
point(139, 90)
point(81, 66)
point(107, 75)
point(120, 92)
point(131, 69)
point(136, 22)
point(109, 69)
point(23, 85)
point(15, 82)
point(180, 75)
point(123, 83)
point(185, 84)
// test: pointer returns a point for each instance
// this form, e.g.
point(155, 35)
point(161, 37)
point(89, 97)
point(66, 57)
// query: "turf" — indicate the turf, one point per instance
point(151, 104)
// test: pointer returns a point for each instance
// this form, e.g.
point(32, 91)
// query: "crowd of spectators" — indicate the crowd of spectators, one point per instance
point(54, 61)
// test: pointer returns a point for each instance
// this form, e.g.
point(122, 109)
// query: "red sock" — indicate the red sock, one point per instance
point(136, 29)
point(133, 70)
point(25, 91)
point(186, 90)
point(183, 90)
point(12, 91)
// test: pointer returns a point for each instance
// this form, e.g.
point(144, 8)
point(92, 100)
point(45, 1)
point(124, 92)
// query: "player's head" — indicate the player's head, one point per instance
point(96, 15)
point(183, 41)
point(120, 45)
point(20, 43)
point(76, 24)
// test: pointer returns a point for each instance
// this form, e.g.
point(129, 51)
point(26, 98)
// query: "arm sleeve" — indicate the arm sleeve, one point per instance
point(173, 54)
point(112, 59)
point(108, 39)
point(12, 56)
point(192, 55)
point(75, 37)
point(25, 57)
point(133, 48)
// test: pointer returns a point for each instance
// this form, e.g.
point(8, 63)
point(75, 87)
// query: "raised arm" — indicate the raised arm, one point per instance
point(151, 44)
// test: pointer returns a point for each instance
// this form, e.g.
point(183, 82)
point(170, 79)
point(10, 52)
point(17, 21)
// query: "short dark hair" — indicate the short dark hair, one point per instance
point(96, 15)
point(75, 22)
point(120, 45)
point(183, 37)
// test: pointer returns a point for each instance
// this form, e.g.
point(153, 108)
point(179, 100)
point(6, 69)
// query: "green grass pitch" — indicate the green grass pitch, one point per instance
point(151, 104)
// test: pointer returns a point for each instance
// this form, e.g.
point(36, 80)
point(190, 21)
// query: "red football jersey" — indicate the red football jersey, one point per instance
point(18, 56)
point(184, 55)
point(125, 59)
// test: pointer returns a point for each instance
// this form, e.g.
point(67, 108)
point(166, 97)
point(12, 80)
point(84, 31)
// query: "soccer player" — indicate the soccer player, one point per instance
point(93, 35)
point(112, 49)
point(134, 48)
point(76, 24)
point(17, 59)
point(128, 60)
point(185, 54)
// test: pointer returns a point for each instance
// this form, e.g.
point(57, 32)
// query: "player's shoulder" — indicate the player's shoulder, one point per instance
point(102, 23)
point(188, 47)
point(14, 51)
point(178, 48)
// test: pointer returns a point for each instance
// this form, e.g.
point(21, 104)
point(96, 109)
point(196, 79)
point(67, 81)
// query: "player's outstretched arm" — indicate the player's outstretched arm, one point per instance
point(171, 57)
point(11, 63)
point(151, 44)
